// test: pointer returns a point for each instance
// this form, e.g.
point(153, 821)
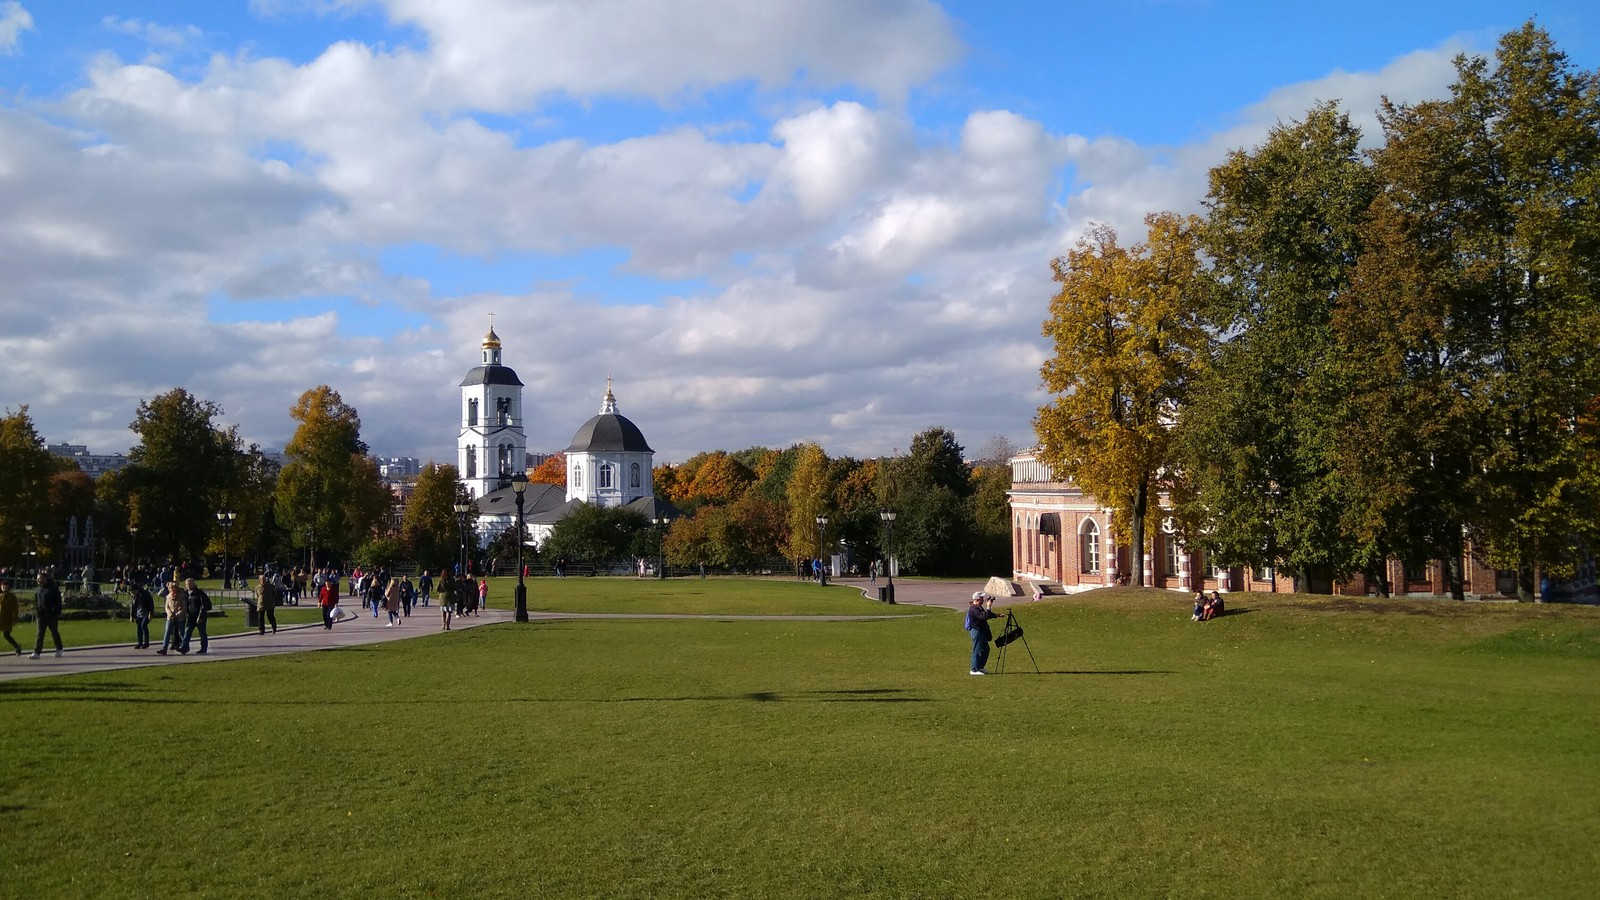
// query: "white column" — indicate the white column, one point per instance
point(1111, 552)
point(1185, 570)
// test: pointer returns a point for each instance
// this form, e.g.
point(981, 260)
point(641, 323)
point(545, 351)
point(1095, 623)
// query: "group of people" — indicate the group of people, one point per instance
point(187, 607)
point(1207, 608)
point(46, 613)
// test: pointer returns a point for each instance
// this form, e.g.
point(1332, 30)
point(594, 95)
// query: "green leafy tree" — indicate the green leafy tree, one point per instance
point(934, 527)
point(329, 486)
point(25, 470)
point(1128, 340)
point(429, 526)
point(1257, 439)
point(1478, 295)
point(595, 534)
point(180, 473)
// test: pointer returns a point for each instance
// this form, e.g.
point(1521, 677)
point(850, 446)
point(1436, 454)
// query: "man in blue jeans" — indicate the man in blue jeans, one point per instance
point(978, 616)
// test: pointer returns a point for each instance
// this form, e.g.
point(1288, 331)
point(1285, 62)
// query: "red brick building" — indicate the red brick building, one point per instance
point(1061, 538)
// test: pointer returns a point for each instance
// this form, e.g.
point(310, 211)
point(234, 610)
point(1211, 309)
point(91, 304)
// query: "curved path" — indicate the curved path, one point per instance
point(364, 629)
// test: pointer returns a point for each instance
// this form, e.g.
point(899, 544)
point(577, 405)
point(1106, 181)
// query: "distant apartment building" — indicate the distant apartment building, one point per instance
point(398, 468)
point(93, 464)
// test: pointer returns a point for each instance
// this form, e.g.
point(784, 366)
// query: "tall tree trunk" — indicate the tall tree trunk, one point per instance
point(1525, 583)
point(1452, 562)
point(1141, 503)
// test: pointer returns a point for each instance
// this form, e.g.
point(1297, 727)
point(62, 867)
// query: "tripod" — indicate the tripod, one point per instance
point(1010, 635)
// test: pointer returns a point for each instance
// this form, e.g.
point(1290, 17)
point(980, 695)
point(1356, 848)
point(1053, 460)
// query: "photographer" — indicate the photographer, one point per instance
point(979, 612)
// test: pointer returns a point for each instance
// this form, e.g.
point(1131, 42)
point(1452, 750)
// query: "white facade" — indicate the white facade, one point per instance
point(492, 445)
point(609, 461)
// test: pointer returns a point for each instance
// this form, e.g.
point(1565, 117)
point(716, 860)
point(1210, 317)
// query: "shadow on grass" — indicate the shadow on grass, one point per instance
point(1088, 672)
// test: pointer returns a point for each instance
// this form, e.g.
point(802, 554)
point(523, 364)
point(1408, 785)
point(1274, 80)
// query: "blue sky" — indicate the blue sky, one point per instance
point(794, 220)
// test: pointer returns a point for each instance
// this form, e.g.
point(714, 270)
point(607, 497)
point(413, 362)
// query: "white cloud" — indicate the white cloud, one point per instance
point(170, 36)
point(14, 20)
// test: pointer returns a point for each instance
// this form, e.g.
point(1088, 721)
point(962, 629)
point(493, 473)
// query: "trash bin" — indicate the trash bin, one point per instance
point(883, 594)
point(252, 618)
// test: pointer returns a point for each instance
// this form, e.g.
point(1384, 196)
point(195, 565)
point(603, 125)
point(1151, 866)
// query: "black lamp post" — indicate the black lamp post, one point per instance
point(887, 515)
point(822, 527)
point(661, 523)
point(462, 508)
point(519, 486)
point(33, 555)
point(133, 537)
point(225, 519)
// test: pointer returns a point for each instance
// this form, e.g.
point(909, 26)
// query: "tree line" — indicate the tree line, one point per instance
point(1357, 355)
point(326, 502)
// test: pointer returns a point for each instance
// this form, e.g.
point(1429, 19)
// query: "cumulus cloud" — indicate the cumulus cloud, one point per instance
point(14, 20)
point(858, 278)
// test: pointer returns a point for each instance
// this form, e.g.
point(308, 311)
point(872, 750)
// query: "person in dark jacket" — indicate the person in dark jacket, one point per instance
point(199, 606)
point(979, 613)
point(267, 596)
point(47, 612)
point(144, 609)
point(8, 614)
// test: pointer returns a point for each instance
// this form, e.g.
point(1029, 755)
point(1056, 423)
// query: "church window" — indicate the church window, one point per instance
point(502, 411)
point(1089, 547)
point(505, 459)
point(472, 462)
point(577, 475)
point(634, 480)
point(605, 476)
point(472, 412)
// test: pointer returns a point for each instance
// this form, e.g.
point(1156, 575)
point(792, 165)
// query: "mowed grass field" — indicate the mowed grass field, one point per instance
point(1296, 747)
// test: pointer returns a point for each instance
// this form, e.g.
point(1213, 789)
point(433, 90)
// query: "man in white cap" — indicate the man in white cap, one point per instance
point(979, 613)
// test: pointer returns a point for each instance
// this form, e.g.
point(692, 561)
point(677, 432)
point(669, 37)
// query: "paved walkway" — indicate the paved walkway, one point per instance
point(364, 629)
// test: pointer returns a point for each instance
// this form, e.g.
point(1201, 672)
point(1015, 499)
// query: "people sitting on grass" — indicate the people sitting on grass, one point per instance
point(1199, 607)
point(1207, 608)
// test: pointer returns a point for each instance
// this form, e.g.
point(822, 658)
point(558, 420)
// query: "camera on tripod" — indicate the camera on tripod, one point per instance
point(1010, 635)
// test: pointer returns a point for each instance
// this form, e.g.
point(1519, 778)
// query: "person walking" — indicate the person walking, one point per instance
point(425, 587)
point(483, 596)
point(391, 602)
point(408, 595)
point(47, 612)
point(267, 595)
point(8, 614)
point(143, 610)
point(177, 612)
point(328, 598)
point(199, 606)
point(447, 597)
point(979, 612)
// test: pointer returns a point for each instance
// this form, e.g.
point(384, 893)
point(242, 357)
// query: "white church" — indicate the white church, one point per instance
point(609, 461)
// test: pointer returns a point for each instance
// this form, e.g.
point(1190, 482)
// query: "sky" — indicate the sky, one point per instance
point(767, 222)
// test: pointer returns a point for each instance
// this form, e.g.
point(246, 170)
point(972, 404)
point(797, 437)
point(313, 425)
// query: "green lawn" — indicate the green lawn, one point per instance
point(1328, 748)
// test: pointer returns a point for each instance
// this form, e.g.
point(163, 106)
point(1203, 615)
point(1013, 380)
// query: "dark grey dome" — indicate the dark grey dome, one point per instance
point(609, 433)
point(491, 375)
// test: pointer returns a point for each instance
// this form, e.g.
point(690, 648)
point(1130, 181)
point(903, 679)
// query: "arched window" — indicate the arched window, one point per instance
point(502, 411)
point(633, 481)
point(1089, 547)
point(605, 476)
point(472, 462)
point(505, 459)
point(577, 475)
point(472, 411)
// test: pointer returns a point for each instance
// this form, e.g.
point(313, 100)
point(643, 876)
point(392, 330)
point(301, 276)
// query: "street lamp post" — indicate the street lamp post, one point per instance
point(462, 508)
point(225, 519)
point(519, 486)
point(661, 523)
point(33, 556)
point(887, 516)
point(822, 572)
point(133, 536)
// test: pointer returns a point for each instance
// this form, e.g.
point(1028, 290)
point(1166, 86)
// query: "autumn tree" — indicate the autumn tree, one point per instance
point(1257, 439)
point(179, 474)
point(1128, 340)
point(810, 494)
point(329, 491)
point(552, 471)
